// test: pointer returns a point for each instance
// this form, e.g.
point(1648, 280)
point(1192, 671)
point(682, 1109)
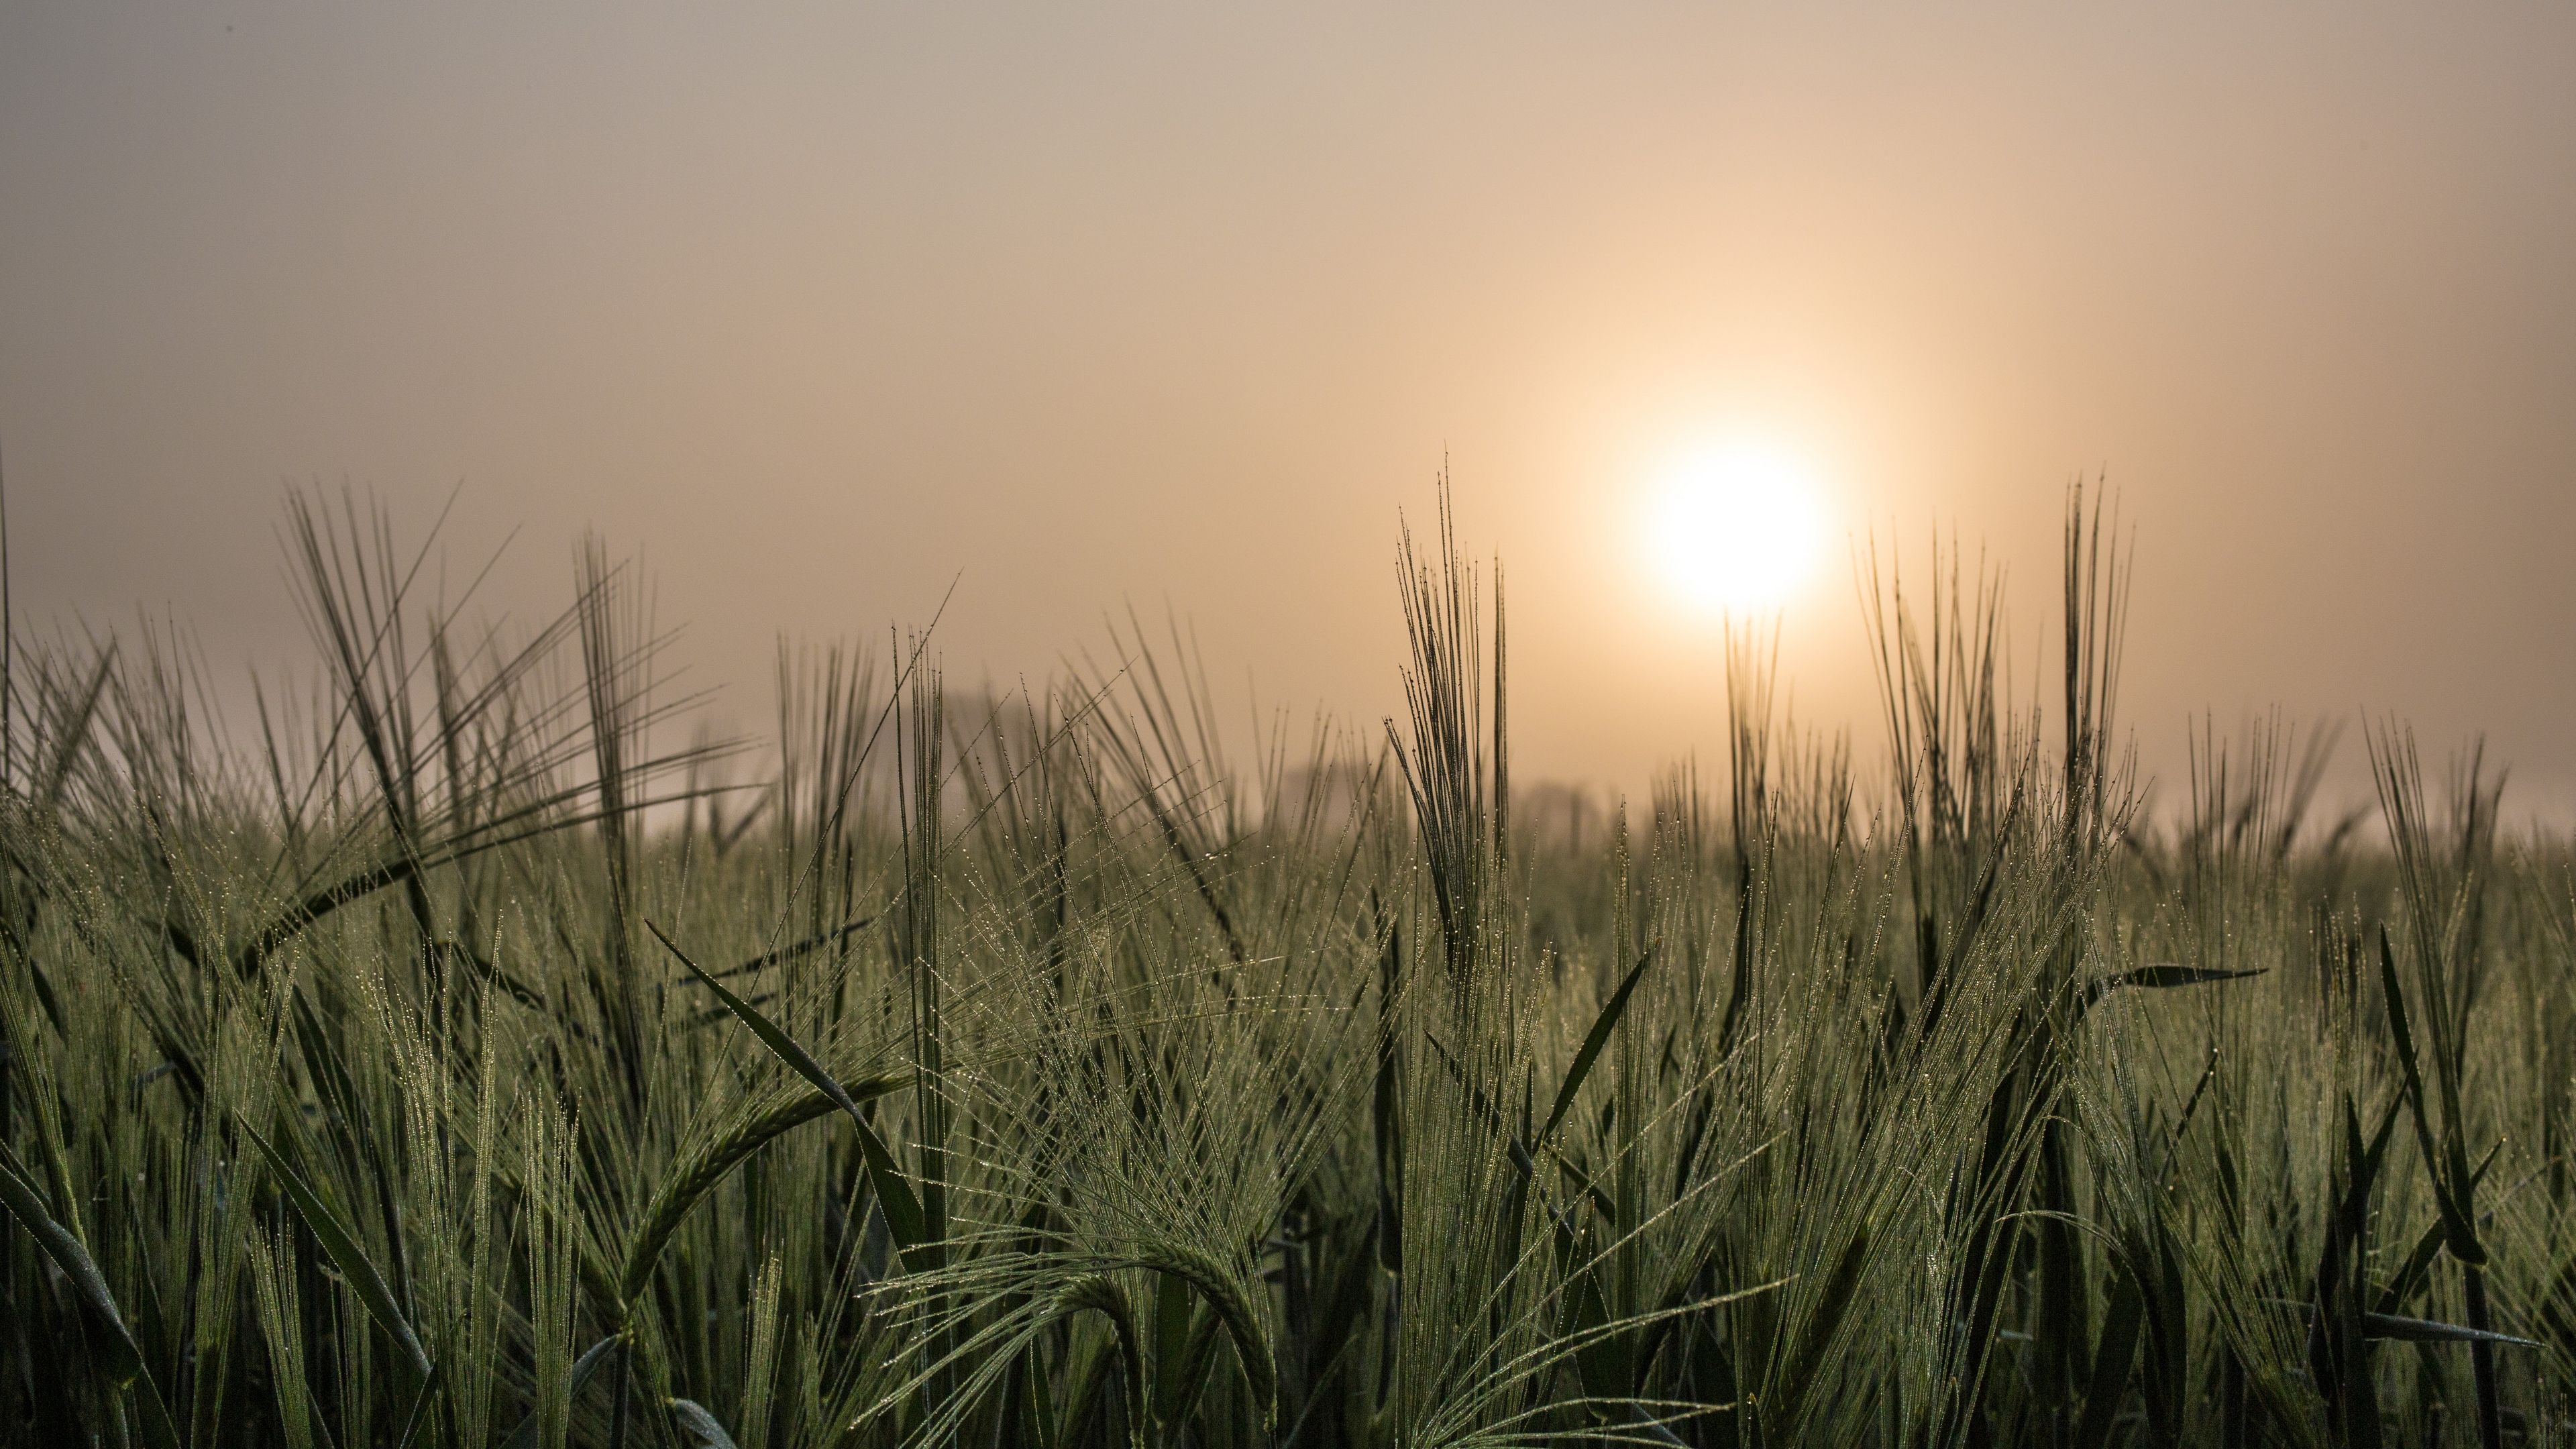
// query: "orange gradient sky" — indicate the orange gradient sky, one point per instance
point(820, 305)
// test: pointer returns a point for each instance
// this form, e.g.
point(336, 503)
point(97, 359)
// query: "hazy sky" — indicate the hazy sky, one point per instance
point(818, 306)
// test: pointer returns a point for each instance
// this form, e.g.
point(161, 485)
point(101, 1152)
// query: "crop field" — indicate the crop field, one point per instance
point(463, 1047)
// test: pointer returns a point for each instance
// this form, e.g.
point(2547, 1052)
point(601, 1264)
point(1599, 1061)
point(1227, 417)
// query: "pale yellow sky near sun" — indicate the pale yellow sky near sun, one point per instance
point(821, 305)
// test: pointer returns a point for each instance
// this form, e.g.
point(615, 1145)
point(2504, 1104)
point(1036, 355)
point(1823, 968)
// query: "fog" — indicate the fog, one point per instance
point(831, 313)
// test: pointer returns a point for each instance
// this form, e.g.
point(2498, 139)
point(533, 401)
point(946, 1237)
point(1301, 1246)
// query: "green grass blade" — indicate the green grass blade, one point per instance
point(697, 1174)
point(2459, 1234)
point(125, 1358)
point(2410, 1278)
point(2377, 1152)
point(2417, 1330)
point(525, 1436)
point(1592, 1044)
point(2112, 1359)
point(2166, 977)
point(1386, 1120)
point(2393, 995)
point(2159, 977)
point(700, 1427)
point(903, 1212)
point(342, 1245)
point(419, 1409)
point(1521, 1159)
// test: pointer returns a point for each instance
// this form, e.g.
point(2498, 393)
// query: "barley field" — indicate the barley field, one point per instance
point(467, 1048)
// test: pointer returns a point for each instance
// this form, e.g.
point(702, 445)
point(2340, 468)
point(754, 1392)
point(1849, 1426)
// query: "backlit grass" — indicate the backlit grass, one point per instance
point(447, 1057)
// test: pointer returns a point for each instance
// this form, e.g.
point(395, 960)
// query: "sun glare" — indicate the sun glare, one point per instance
point(1736, 528)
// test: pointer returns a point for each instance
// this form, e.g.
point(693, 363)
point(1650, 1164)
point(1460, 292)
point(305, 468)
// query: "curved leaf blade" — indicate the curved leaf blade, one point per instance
point(903, 1213)
point(125, 1358)
point(525, 1436)
point(694, 1176)
point(700, 1426)
point(346, 1255)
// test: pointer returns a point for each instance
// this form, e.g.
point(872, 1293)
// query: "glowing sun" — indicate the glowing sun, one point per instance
point(1735, 528)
